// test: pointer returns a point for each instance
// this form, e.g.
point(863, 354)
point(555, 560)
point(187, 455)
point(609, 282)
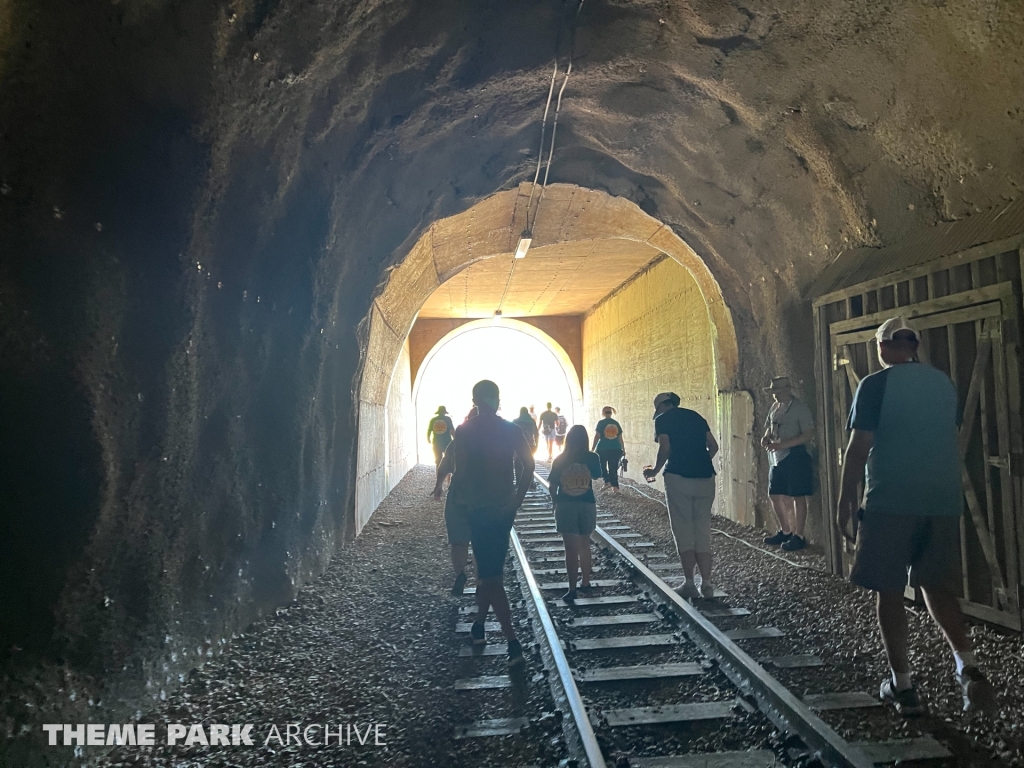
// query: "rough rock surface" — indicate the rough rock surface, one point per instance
point(198, 201)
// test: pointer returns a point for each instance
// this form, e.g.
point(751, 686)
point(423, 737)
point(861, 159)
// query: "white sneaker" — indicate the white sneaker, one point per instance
point(707, 589)
point(688, 590)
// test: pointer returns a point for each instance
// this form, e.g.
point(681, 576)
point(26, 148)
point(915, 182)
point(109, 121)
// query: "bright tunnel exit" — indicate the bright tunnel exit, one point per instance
point(527, 370)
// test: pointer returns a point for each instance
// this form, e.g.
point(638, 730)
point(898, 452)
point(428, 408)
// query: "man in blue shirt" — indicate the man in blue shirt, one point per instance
point(903, 427)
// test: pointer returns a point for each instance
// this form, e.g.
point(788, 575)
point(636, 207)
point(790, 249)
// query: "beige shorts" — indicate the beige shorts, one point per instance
point(689, 511)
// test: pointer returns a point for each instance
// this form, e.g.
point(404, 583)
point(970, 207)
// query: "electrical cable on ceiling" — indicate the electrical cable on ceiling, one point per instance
point(554, 127)
point(533, 187)
point(540, 153)
point(551, 150)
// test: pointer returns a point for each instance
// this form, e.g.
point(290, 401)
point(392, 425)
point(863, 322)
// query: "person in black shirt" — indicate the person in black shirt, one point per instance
point(456, 517)
point(685, 448)
point(526, 423)
point(609, 446)
point(561, 427)
point(486, 451)
point(547, 420)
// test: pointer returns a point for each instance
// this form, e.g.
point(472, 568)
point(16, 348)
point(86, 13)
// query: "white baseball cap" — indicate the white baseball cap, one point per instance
point(664, 397)
point(887, 330)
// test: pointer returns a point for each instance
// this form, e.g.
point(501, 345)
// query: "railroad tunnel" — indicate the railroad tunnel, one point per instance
point(638, 309)
point(237, 239)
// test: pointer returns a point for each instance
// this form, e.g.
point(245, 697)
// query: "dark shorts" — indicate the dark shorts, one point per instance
point(559, 439)
point(456, 521)
point(438, 452)
point(575, 517)
point(489, 533)
point(793, 475)
point(890, 545)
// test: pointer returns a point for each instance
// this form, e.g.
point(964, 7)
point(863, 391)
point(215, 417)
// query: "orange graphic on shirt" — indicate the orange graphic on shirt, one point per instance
point(611, 432)
point(440, 427)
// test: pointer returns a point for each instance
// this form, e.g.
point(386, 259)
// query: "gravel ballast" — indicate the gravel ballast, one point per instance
point(826, 615)
point(372, 642)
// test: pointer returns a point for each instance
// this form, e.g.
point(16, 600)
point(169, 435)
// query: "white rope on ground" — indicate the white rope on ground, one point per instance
point(795, 564)
point(802, 566)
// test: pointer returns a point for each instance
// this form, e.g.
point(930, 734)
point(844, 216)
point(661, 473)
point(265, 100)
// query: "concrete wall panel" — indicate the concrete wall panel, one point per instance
point(387, 441)
point(415, 276)
point(401, 422)
point(736, 437)
point(653, 335)
point(371, 472)
point(382, 351)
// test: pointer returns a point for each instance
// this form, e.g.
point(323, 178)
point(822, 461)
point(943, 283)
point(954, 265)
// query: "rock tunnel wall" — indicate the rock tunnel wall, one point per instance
point(653, 335)
point(198, 202)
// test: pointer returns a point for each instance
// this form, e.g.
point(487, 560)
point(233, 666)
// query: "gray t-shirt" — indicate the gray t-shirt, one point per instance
point(784, 422)
point(914, 464)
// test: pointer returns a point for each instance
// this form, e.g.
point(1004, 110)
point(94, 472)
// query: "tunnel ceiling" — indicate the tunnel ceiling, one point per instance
point(554, 280)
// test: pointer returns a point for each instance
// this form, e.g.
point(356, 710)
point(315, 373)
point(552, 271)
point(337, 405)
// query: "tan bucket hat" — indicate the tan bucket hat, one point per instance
point(779, 384)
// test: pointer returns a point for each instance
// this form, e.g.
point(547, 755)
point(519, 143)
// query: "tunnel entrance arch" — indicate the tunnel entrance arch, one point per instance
point(491, 228)
point(572, 407)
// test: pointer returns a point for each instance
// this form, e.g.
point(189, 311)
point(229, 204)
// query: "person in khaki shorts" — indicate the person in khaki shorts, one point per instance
point(685, 448)
point(903, 432)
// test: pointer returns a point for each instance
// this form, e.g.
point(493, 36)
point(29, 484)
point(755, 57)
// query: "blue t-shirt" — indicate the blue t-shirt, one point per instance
point(914, 465)
point(609, 433)
point(574, 477)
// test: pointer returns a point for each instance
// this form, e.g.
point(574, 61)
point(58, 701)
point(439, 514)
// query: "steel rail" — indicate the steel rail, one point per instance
point(581, 740)
point(784, 709)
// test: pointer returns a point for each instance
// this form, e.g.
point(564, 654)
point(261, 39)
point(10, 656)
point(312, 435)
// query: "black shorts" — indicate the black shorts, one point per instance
point(888, 546)
point(489, 533)
point(793, 475)
point(438, 452)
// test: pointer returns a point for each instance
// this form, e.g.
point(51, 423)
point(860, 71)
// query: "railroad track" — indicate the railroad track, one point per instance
point(697, 697)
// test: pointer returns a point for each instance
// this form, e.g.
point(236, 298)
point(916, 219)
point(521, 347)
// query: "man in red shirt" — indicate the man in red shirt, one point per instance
point(486, 483)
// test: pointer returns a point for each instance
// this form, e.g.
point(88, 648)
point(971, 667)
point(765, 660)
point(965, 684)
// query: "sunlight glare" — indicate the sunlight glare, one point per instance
point(525, 370)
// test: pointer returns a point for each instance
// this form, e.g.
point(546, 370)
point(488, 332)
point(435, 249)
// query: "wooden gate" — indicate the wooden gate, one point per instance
point(967, 309)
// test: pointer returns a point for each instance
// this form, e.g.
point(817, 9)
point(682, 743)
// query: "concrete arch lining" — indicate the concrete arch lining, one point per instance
point(491, 228)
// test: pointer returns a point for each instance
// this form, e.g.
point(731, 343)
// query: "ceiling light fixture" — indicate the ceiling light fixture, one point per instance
point(524, 244)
